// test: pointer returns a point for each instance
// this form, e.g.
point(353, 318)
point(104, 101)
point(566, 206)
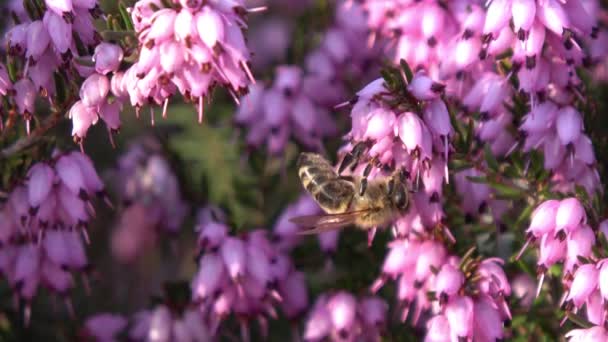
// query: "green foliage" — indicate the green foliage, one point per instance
point(212, 166)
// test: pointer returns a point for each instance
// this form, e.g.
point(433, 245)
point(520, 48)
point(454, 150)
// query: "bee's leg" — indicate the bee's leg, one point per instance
point(366, 172)
point(370, 236)
point(352, 158)
point(402, 175)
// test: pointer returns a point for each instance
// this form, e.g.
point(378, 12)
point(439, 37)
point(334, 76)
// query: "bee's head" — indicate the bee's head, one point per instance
point(400, 196)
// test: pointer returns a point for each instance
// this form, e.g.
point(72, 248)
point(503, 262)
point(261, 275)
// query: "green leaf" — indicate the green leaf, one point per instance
point(478, 179)
point(490, 158)
point(213, 166)
point(506, 191)
point(456, 165)
point(524, 215)
point(62, 89)
point(579, 320)
point(126, 18)
point(409, 75)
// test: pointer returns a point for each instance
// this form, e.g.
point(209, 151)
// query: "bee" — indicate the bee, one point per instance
point(349, 200)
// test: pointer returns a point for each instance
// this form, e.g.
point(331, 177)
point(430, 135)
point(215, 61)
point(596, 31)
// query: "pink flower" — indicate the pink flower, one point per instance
point(295, 294)
point(438, 329)
point(5, 82)
point(570, 214)
point(82, 117)
point(209, 276)
point(523, 287)
point(580, 244)
point(25, 95)
point(583, 284)
point(487, 325)
point(569, 125)
point(94, 90)
point(41, 180)
point(60, 7)
point(553, 16)
point(424, 88)
point(593, 334)
point(449, 280)
point(459, 313)
point(60, 31)
point(107, 58)
point(105, 326)
point(374, 311)
point(37, 40)
point(319, 322)
point(543, 218)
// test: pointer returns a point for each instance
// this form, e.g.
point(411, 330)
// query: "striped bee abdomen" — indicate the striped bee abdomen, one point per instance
point(318, 177)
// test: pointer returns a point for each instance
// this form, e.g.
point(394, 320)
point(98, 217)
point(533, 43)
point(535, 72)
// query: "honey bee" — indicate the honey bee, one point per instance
point(349, 199)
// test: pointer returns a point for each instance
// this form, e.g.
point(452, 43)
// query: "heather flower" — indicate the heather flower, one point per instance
point(104, 327)
point(583, 284)
point(523, 288)
point(340, 316)
point(44, 225)
point(593, 334)
point(284, 110)
point(107, 58)
point(189, 50)
point(247, 276)
point(162, 324)
point(153, 202)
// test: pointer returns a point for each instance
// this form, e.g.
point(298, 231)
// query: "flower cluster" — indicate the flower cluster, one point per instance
point(163, 323)
point(284, 110)
point(413, 138)
point(299, 102)
point(42, 42)
point(471, 293)
point(171, 320)
point(95, 100)
point(246, 276)
point(188, 47)
point(153, 203)
point(342, 317)
point(44, 222)
point(560, 228)
point(567, 150)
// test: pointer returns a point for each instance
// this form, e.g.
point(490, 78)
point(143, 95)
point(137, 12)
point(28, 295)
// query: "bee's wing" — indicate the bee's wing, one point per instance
point(325, 222)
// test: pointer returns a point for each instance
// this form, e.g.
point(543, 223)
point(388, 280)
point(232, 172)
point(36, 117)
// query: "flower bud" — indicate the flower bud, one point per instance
point(424, 88)
point(107, 57)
